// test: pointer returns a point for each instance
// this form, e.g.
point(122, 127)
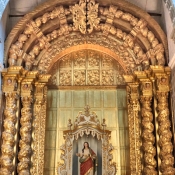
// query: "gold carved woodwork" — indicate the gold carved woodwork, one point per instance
point(162, 87)
point(18, 82)
point(8, 135)
point(134, 127)
point(39, 120)
point(104, 20)
point(10, 132)
point(148, 138)
point(26, 137)
point(50, 30)
point(87, 67)
point(24, 155)
point(85, 16)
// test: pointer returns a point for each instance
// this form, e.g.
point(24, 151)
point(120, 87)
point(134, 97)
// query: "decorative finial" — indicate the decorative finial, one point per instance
point(86, 110)
point(69, 124)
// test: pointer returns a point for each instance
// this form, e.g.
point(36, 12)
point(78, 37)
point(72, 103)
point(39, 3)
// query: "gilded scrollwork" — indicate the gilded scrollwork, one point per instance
point(90, 67)
point(85, 16)
point(125, 48)
point(80, 59)
point(106, 61)
point(90, 10)
point(93, 59)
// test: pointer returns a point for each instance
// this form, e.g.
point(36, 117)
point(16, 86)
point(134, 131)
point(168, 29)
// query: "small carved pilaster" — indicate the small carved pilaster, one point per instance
point(134, 128)
point(39, 124)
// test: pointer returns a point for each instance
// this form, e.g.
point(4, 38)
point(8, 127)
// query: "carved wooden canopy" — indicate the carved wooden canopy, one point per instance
point(57, 28)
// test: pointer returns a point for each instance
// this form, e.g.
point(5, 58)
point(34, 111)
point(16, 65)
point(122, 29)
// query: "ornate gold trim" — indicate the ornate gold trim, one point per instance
point(24, 155)
point(148, 138)
point(39, 121)
point(9, 136)
point(162, 87)
point(134, 127)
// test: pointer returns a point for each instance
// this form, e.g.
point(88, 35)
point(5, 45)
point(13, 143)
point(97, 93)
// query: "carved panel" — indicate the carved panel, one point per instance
point(87, 67)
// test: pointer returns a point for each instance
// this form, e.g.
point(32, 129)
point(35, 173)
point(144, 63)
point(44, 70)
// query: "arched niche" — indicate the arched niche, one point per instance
point(87, 124)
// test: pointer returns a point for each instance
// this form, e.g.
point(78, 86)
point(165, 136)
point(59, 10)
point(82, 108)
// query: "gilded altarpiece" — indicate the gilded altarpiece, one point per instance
point(87, 47)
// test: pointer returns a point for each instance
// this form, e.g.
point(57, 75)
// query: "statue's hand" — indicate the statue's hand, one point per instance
point(78, 154)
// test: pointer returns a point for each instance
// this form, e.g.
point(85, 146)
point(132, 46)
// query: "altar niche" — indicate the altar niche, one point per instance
point(87, 125)
point(66, 104)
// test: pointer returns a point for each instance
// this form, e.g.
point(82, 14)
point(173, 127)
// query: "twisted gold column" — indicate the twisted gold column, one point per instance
point(24, 155)
point(9, 148)
point(8, 135)
point(148, 137)
point(165, 135)
point(162, 88)
point(25, 133)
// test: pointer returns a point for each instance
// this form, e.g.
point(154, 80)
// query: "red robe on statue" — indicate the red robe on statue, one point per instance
point(87, 163)
point(86, 166)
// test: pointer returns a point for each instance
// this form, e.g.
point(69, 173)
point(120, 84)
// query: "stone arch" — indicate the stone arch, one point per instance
point(119, 26)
